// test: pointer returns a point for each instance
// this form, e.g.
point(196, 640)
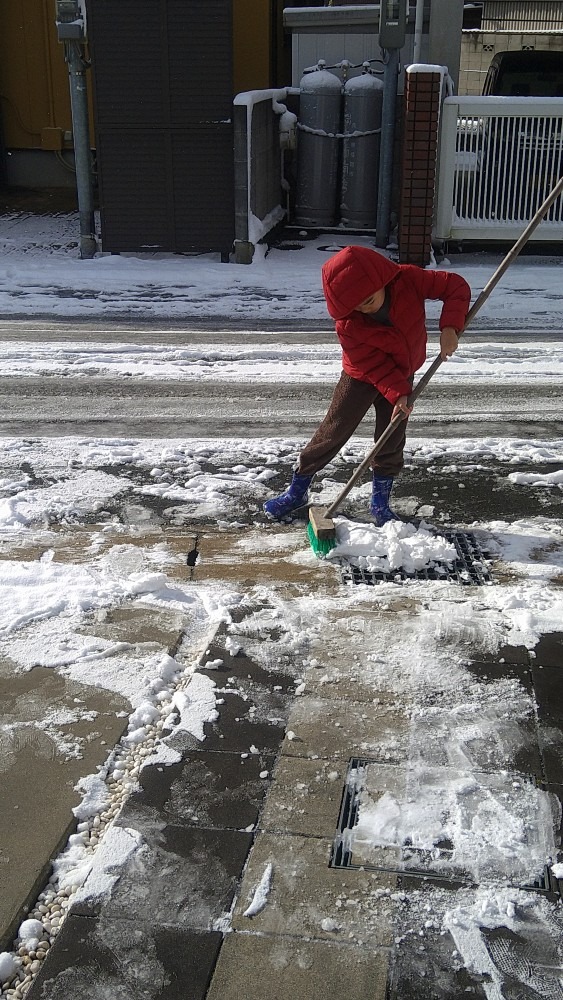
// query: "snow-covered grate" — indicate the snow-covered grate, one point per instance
point(436, 864)
point(469, 568)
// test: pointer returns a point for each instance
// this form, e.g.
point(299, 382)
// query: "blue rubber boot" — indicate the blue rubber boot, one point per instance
point(380, 496)
point(295, 496)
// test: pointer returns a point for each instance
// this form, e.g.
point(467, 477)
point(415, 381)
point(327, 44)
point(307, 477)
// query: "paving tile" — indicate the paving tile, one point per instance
point(430, 962)
point(334, 730)
point(207, 788)
point(489, 671)
point(305, 797)
point(309, 899)
point(508, 654)
point(183, 876)
point(550, 739)
point(346, 683)
point(424, 970)
point(269, 967)
point(250, 676)
point(549, 650)
point(38, 778)
point(548, 689)
point(96, 958)
point(487, 742)
point(238, 728)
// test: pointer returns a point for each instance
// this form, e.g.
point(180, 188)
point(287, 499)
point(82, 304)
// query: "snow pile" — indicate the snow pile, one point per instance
point(537, 479)
point(69, 498)
point(192, 707)
point(495, 829)
point(8, 967)
point(394, 546)
point(95, 797)
point(30, 932)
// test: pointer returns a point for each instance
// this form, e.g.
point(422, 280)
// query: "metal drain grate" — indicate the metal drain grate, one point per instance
point(469, 568)
point(407, 860)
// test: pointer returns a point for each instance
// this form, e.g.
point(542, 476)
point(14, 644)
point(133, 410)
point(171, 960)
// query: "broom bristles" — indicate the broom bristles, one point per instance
point(320, 546)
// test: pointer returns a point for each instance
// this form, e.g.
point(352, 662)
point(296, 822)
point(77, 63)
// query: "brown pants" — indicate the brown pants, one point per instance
point(350, 403)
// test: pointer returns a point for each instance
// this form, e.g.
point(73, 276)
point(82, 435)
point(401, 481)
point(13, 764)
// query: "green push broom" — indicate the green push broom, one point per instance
point(321, 528)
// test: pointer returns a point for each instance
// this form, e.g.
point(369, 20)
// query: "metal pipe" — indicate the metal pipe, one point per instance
point(418, 27)
point(387, 142)
point(82, 152)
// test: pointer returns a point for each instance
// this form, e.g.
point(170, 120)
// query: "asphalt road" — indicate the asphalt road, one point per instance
point(126, 408)
point(131, 407)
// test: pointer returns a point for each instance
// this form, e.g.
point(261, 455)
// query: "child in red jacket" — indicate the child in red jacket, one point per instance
point(380, 319)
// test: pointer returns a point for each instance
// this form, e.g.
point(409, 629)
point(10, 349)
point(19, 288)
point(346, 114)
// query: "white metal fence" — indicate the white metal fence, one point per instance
point(499, 158)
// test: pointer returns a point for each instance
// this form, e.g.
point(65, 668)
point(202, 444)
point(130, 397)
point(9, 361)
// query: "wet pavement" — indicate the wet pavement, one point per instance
point(212, 824)
point(265, 788)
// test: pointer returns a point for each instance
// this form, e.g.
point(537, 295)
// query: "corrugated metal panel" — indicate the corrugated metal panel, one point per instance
point(203, 163)
point(135, 194)
point(156, 188)
point(200, 61)
point(163, 108)
point(522, 15)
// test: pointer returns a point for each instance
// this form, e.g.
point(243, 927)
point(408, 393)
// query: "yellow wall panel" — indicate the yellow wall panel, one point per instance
point(252, 42)
point(34, 91)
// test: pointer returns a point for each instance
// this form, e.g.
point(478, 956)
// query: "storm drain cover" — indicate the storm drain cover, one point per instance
point(469, 567)
point(441, 823)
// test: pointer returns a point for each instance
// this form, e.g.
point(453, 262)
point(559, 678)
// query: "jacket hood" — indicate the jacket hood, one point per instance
point(352, 275)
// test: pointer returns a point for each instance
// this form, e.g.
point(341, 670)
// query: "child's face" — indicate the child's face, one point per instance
point(373, 302)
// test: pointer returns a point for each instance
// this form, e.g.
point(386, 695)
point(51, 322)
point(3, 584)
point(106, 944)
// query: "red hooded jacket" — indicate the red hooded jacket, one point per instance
point(387, 356)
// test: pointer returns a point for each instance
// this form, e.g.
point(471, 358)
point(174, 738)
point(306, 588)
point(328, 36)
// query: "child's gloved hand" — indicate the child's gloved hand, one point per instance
point(448, 342)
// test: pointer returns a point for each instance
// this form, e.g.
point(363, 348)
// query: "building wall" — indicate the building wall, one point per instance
point(479, 47)
point(34, 93)
point(253, 41)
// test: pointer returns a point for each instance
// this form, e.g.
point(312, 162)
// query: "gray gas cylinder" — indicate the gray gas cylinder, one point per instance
point(320, 108)
point(363, 103)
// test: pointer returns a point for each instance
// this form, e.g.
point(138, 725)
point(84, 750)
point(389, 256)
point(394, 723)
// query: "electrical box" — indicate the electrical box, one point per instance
point(69, 21)
point(392, 23)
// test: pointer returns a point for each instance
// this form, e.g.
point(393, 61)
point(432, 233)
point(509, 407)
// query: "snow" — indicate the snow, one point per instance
point(194, 706)
point(41, 275)
point(8, 966)
point(454, 785)
point(486, 819)
point(269, 363)
point(394, 546)
point(30, 930)
point(261, 893)
point(537, 479)
point(95, 797)
point(98, 875)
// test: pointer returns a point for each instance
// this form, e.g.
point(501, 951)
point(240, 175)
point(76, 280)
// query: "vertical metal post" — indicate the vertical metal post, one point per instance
point(444, 36)
point(390, 76)
point(82, 152)
point(418, 29)
point(71, 31)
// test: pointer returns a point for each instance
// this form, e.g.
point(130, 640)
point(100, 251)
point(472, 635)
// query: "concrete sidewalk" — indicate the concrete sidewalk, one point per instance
point(257, 805)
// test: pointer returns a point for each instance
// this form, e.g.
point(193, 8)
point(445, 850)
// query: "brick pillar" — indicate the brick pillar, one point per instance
point(423, 87)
